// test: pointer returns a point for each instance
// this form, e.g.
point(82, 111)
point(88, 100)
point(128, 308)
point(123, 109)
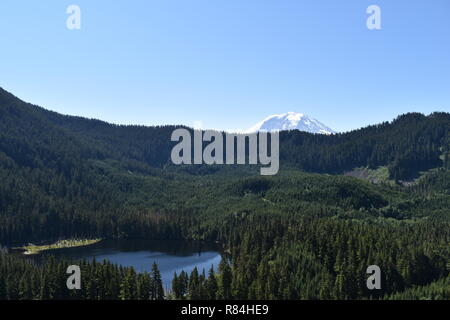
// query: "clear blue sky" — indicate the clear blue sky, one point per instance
point(228, 63)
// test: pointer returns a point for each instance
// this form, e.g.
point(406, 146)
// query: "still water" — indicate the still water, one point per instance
point(171, 256)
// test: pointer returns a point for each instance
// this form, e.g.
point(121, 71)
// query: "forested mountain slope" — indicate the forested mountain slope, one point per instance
point(32, 136)
point(307, 232)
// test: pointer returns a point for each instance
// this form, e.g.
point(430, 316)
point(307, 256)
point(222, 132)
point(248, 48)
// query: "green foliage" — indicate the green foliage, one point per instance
point(438, 290)
point(296, 235)
point(22, 279)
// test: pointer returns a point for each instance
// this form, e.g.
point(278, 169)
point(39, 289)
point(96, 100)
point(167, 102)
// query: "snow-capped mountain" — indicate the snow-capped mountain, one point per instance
point(291, 121)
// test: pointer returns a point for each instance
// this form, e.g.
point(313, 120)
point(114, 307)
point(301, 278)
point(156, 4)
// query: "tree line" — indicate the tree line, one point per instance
point(23, 279)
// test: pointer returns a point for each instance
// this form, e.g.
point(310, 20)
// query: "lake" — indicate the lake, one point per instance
point(171, 256)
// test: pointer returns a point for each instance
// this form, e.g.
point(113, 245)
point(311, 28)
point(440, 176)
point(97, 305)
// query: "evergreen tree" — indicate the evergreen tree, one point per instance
point(212, 286)
point(157, 291)
point(225, 280)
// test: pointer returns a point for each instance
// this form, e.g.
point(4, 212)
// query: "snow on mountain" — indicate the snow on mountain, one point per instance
point(291, 121)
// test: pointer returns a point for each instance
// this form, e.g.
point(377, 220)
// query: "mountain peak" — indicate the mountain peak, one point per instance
point(291, 121)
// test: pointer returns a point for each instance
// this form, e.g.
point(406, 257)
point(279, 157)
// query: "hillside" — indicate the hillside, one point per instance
point(32, 136)
point(308, 232)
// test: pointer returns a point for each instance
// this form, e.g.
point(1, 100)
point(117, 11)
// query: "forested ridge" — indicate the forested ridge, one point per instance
point(306, 233)
point(411, 143)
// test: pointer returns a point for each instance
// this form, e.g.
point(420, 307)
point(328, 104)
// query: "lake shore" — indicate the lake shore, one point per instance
point(36, 249)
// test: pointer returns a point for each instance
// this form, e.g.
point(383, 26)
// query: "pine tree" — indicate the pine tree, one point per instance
point(212, 286)
point(157, 290)
point(225, 280)
point(194, 285)
point(128, 285)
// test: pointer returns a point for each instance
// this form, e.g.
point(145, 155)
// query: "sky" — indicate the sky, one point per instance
point(228, 64)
